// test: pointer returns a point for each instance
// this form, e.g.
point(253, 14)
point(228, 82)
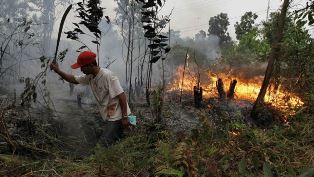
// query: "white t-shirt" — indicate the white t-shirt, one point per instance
point(105, 87)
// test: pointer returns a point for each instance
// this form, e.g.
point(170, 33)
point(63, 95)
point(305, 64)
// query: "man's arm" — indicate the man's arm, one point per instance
point(123, 104)
point(68, 77)
point(124, 109)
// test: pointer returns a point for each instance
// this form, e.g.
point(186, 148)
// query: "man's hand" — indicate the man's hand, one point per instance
point(125, 123)
point(68, 77)
point(54, 66)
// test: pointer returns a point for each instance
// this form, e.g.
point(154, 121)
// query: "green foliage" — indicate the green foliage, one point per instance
point(130, 156)
point(218, 25)
point(250, 49)
point(296, 59)
point(269, 27)
point(166, 159)
point(278, 151)
point(246, 25)
point(296, 48)
point(259, 152)
point(308, 173)
point(305, 15)
point(29, 94)
point(242, 168)
point(90, 13)
point(180, 157)
point(157, 103)
point(267, 170)
point(170, 172)
point(250, 43)
point(309, 99)
point(152, 25)
point(294, 68)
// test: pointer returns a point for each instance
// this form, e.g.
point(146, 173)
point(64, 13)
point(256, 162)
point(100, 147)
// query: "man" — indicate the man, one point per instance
point(107, 91)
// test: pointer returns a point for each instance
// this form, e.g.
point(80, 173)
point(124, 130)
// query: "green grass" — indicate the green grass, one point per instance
point(242, 151)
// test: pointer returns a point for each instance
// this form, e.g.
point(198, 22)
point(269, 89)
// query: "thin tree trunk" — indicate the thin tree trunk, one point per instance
point(48, 16)
point(128, 52)
point(98, 54)
point(274, 55)
point(148, 77)
point(148, 82)
point(122, 46)
point(1, 58)
point(185, 61)
point(139, 58)
point(4, 47)
point(131, 57)
point(163, 75)
point(142, 65)
point(169, 34)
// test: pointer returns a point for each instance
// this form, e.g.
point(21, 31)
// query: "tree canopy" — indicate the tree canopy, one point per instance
point(218, 25)
point(246, 24)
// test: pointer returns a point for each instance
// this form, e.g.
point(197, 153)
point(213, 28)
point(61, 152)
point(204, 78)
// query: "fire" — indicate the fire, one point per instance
point(246, 89)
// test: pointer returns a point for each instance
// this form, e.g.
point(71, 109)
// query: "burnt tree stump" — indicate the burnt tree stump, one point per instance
point(231, 91)
point(198, 96)
point(220, 88)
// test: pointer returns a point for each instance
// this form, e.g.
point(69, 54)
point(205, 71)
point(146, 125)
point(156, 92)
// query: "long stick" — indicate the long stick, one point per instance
point(60, 31)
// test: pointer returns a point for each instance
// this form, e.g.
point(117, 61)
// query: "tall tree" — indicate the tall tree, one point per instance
point(218, 25)
point(274, 55)
point(269, 27)
point(48, 9)
point(47, 18)
point(128, 13)
point(246, 24)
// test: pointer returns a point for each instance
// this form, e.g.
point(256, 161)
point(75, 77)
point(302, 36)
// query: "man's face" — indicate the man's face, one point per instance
point(87, 69)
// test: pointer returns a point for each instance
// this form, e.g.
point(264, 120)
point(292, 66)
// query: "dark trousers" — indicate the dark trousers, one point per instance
point(111, 132)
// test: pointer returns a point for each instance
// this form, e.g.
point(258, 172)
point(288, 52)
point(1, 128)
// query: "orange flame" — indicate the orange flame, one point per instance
point(246, 89)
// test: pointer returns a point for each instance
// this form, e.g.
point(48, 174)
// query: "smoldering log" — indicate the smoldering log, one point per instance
point(220, 88)
point(231, 91)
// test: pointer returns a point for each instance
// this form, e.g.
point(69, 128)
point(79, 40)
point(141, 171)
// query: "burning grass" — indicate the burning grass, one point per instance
point(247, 88)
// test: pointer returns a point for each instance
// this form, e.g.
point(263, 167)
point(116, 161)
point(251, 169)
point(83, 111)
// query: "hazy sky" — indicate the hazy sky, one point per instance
point(191, 16)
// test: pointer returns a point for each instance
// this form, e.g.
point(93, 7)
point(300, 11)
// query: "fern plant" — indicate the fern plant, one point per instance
point(183, 157)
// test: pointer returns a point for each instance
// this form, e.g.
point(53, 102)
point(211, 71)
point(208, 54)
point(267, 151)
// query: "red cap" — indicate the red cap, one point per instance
point(84, 58)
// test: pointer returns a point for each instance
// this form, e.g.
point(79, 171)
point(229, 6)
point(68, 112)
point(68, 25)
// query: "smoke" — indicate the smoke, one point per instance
point(249, 71)
point(210, 47)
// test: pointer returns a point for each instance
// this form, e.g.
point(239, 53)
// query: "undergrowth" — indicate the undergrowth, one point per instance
point(230, 149)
